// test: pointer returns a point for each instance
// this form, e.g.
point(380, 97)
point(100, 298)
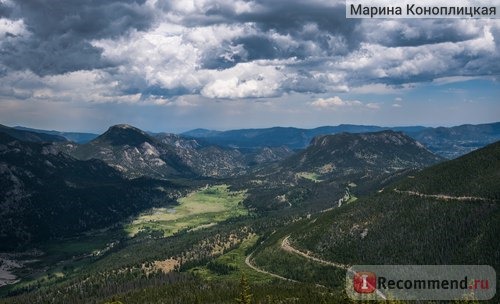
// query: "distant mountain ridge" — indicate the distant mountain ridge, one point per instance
point(212, 160)
point(456, 141)
point(294, 138)
point(78, 137)
point(30, 136)
point(136, 153)
point(449, 142)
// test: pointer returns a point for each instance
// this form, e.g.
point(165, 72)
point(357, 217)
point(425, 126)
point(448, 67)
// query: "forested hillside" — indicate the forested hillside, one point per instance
point(45, 194)
point(319, 174)
point(473, 175)
point(290, 228)
point(446, 214)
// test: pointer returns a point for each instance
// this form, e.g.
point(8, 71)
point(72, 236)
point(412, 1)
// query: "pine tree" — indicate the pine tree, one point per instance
point(245, 296)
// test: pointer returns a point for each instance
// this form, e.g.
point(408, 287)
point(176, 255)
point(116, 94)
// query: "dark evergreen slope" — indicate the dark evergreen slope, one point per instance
point(417, 228)
point(26, 135)
point(45, 194)
point(474, 174)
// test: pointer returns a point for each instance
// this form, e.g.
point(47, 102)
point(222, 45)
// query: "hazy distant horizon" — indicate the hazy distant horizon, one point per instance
point(222, 130)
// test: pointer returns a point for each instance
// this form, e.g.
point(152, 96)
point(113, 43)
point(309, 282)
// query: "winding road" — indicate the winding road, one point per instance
point(249, 264)
point(285, 245)
point(443, 196)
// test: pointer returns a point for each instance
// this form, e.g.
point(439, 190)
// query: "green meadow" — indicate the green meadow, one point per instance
point(310, 176)
point(203, 208)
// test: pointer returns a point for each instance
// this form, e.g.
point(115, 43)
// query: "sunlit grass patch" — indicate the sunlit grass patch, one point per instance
point(310, 176)
point(202, 208)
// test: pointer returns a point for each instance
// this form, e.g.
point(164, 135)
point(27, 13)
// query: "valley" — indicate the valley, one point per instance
point(135, 217)
point(200, 209)
point(249, 152)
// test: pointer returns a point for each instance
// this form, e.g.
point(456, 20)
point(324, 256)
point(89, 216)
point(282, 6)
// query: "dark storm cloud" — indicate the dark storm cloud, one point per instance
point(260, 47)
point(215, 60)
point(53, 55)
point(236, 48)
point(60, 32)
point(413, 32)
point(333, 35)
point(285, 18)
point(282, 16)
point(5, 10)
point(290, 16)
point(86, 19)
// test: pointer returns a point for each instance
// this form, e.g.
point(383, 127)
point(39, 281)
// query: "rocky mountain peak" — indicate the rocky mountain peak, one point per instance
point(124, 134)
point(380, 151)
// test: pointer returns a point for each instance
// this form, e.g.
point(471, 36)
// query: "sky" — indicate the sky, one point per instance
point(176, 65)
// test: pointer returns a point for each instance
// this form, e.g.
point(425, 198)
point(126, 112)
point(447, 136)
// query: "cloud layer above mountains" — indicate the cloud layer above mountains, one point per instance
point(169, 52)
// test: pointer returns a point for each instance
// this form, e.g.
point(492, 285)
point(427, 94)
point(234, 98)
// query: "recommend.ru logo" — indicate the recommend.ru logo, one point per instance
point(421, 282)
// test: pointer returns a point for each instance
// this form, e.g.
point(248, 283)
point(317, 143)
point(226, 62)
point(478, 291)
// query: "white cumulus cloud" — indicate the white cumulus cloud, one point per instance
point(335, 102)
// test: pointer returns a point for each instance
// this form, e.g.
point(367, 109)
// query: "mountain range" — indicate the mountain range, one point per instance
point(294, 138)
point(448, 142)
point(279, 205)
point(78, 137)
point(135, 153)
point(30, 136)
point(365, 160)
point(41, 177)
point(130, 151)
